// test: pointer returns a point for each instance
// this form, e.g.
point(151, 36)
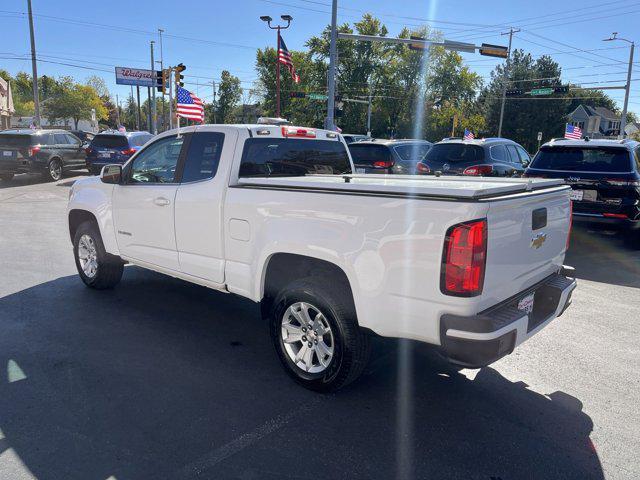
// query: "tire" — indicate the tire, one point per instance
point(54, 172)
point(632, 238)
point(105, 270)
point(6, 177)
point(349, 344)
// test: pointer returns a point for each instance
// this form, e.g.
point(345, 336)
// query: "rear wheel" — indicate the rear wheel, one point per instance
point(97, 268)
point(6, 177)
point(54, 170)
point(316, 335)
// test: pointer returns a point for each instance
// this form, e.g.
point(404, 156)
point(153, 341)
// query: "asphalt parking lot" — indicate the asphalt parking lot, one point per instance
point(159, 378)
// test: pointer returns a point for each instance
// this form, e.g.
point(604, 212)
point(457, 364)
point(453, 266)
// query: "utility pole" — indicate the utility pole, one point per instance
point(118, 111)
point(369, 117)
point(506, 77)
point(170, 99)
point(138, 109)
point(329, 123)
point(268, 19)
point(627, 87)
point(214, 106)
point(34, 69)
point(164, 120)
point(153, 126)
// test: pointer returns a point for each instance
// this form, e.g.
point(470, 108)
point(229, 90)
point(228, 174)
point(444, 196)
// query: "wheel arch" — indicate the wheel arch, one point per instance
point(77, 217)
point(282, 268)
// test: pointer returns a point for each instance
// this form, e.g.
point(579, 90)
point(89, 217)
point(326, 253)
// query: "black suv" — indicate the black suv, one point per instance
point(486, 157)
point(388, 156)
point(604, 175)
point(48, 152)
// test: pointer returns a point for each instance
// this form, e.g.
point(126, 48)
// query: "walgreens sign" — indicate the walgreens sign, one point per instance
point(136, 76)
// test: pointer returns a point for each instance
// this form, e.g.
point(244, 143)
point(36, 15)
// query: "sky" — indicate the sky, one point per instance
point(211, 36)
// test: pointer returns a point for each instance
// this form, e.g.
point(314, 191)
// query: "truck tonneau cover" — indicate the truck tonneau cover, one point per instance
point(405, 185)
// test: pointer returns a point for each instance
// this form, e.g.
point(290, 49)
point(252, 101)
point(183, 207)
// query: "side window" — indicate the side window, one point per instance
point(60, 139)
point(524, 156)
point(73, 140)
point(637, 158)
point(156, 163)
point(203, 156)
point(499, 153)
point(513, 153)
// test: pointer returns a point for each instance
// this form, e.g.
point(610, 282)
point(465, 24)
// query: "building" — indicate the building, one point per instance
point(632, 128)
point(6, 104)
point(595, 122)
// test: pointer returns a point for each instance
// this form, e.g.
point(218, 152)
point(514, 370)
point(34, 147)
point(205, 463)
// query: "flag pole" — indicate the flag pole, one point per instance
point(278, 75)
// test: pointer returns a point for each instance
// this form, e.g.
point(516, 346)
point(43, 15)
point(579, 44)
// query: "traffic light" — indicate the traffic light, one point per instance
point(160, 80)
point(418, 45)
point(561, 89)
point(179, 77)
point(498, 51)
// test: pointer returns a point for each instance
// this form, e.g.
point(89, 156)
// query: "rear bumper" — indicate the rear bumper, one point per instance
point(478, 340)
point(600, 219)
point(21, 165)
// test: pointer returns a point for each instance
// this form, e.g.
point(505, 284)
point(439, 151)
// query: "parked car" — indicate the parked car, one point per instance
point(113, 147)
point(85, 137)
point(355, 137)
point(49, 152)
point(604, 176)
point(388, 156)
point(336, 257)
point(486, 157)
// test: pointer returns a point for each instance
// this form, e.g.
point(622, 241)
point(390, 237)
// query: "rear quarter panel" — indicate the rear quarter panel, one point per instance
point(389, 248)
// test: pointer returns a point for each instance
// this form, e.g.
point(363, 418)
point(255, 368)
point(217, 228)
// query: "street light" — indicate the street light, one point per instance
point(268, 20)
point(623, 120)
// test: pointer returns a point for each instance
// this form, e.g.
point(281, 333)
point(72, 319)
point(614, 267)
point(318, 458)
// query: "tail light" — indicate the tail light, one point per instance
point(570, 223)
point(422, 168)
point(33, 151)
point(88, 151)
point(622, 183)
point(128, 151)
point(298, 132)
point(615, 215)
point(464, 259)
point(478, 170)
point(383, 164)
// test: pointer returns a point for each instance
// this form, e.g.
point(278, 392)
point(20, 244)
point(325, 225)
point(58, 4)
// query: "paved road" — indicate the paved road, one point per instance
point(162, 379)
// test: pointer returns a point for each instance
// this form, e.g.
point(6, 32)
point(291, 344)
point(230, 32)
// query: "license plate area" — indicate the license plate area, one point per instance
point(584, 195)
point(104, 154)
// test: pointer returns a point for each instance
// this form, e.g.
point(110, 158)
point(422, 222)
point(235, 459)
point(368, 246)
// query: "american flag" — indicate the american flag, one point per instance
point(284, 57)
point(189, 106)
point(572, 132)
point(468, 135)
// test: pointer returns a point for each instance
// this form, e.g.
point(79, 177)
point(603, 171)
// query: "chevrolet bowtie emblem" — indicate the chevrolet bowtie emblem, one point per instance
point(538, 240)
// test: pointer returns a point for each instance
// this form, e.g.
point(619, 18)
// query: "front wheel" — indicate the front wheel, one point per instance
point(54, 170)
point(316, 335)
point(97, 268)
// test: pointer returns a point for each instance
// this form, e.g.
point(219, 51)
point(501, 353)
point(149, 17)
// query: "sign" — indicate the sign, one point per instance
point(136, 76)
point(489, 50)
point(317, 96)
point(541, 91)
point(297, 94)
point(539, 136)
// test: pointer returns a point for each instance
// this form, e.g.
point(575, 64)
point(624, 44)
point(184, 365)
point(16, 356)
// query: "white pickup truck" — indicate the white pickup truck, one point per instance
point(473, 266)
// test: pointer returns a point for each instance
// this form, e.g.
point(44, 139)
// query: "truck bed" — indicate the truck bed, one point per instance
point(457, 188)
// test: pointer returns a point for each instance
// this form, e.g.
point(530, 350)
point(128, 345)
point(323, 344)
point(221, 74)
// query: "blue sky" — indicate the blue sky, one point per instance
point(209, 36)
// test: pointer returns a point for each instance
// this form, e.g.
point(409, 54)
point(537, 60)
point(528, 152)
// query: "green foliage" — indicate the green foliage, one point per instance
point(72, 100)
point(229, 94)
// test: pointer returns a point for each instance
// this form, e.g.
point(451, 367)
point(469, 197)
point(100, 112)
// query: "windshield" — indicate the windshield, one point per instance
point(267, 157)
point(583, 159)
point(455, 152)
point(413, 151)
point(110, 141)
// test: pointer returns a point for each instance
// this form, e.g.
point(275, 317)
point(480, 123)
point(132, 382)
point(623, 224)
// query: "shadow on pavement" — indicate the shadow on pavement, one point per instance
point(163, 379)
point(603, 256)
point(26, 179)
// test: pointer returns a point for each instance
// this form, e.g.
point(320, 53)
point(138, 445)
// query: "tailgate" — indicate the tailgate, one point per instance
point(527, 238)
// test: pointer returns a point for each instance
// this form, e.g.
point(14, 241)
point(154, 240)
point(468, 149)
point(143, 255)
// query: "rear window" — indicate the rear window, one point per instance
point(591, 159)
point(455, 152)
point(413, 151)
point(13, 140)
point(109, 141)
point(367, 154)
point(281, 157)
point(139, 140)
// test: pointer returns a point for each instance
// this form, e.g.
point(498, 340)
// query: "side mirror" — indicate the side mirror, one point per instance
point(111, 174)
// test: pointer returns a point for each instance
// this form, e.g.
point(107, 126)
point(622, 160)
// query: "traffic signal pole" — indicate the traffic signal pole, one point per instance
point(153, 126)
point(329, 123)
point(278, 73)
point(34, 69)
point(506, 78)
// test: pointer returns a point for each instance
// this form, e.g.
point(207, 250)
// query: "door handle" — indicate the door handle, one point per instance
point(161, 201)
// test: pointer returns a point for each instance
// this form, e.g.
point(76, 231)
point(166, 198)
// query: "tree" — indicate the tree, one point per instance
point(99, 85)
point(74, 101)
point(229, 94)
